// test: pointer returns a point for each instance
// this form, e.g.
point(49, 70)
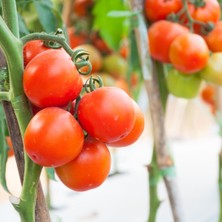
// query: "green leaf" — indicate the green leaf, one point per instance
point(3, 151)
point(111, 29)
point(22, 26)
point(50, 173)
point(45, 15)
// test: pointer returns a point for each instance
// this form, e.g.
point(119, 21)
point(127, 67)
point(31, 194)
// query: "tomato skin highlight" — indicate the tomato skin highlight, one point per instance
point(89, 169)
point(136, 131)
point(106, 114)
point(161, 34)
point(53, 137)
point(51, 79)
point(189, 53)
point(159, 9)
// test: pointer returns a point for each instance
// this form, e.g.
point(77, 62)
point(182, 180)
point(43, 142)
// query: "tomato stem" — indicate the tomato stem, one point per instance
point(206, 27)
point(48, 37)
point(76, 55)
point(92, 83)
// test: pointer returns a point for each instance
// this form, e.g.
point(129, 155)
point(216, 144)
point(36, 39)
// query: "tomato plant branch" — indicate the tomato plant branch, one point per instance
point(76, 55)
point(48, 37)
point(10, 16)
point(220, 185)
point(206, 27)
point(219, 121)
point(150, 80)
point(5, 96)
point(154, 176)
point(12, 50)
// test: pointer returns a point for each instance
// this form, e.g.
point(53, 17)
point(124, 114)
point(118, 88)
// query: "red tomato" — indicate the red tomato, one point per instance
point(136, 131)
point(53, 137)
point(189, 53)
point(51, 79)
point(160, 9)
point(32, 49)
point(82, 7)
point(208, 94)
point(89, 169)
point(208, 13)
point(106, 114)
point(76, 39)
point(214, 38)
point(161, 34)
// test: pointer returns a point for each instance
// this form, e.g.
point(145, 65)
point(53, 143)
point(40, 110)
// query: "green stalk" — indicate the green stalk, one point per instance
point(48, 37)
point(9, 14)
point(154, 176)
point(12, 49)
point(220, 185)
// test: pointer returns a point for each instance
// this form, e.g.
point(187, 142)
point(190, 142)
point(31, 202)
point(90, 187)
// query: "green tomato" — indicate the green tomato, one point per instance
point(108, 80)
point(183, 85)
point(213, 70)
point(115, 65)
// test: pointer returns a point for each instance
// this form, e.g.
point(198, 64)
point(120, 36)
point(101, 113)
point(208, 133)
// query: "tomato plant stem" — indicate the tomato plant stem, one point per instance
point(164, 160)
point(48, 37)
point(9, 14)
point(26, 203)
point(220, 185)
point(20, 115)
point(219, 121)
point(154, 176)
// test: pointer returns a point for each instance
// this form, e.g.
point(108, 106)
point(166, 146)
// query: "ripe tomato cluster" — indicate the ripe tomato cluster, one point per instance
point(74, 140)
point(187, 38)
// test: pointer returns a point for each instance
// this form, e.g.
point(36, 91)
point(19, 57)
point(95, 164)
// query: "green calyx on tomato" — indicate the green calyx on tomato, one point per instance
point(213, 70)
point(182, 85)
